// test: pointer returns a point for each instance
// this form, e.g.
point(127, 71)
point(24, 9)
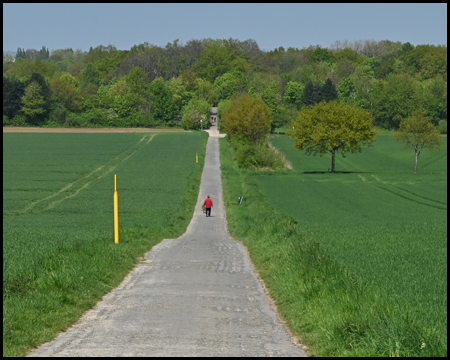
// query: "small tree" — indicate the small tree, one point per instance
point(196, 115)
point(247, 117)
point(418, 132)
point(33, 101)
point(332, 126)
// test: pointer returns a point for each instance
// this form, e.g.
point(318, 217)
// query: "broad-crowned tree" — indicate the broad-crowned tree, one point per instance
point(418, 131)
point(65, 93)
point(330, 127)
point(247, 117)
point(217, 60)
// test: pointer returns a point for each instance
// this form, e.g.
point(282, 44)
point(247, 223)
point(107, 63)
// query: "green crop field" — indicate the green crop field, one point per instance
point(356, 261)
point(382, 222)
point(59, 255)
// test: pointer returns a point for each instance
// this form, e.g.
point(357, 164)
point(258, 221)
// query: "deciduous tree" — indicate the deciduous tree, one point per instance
point(217, 60)
point(293, 93)
point(33, 101)
point(229, 84)
point(206, 92)
point(324, 55)
point(247, 117)
point(196, 115)
point(90, 76)
point(330, 127)
point(394, 98)
point(418, 132)
point(65, 93)
point(163, 104)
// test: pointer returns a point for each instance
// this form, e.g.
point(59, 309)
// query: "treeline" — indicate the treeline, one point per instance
point(177, 84)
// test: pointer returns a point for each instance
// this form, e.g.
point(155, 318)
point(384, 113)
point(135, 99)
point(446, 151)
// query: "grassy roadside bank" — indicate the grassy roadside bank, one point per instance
point(325, 305)
point(55, 293)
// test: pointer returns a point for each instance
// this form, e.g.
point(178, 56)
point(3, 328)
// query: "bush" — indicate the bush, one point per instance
point(59, 116)
point(250, 156)
point(142, 120)
point(6, 120)
point(246, 156)
point(19, 120)
point(267, 157)
point(91, 118)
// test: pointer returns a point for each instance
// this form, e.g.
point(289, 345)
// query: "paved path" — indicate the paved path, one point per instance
point(196, 295)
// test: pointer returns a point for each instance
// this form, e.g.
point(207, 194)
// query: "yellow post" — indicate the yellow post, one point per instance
point(196, 158)
point(116, 212)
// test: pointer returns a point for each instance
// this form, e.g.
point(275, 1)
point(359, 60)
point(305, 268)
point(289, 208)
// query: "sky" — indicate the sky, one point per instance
point(80, 26)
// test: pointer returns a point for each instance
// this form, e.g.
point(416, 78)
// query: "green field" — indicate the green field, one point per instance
point(382, 222)
point(59, 255)
point(356, 261)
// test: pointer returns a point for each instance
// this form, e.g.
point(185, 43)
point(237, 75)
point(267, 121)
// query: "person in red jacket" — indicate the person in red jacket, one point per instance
point(208, 204)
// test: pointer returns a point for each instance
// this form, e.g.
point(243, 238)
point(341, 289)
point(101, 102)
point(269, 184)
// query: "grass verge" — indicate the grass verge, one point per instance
point(324, 304)
point(54, 295)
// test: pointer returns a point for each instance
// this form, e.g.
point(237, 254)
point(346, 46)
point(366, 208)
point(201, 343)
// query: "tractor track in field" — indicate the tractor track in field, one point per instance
point(72, 189)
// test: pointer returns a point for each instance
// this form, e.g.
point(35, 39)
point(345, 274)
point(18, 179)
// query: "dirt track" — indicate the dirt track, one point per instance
point(85, 130)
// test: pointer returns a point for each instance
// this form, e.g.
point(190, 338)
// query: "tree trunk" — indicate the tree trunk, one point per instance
point(333, 152)
point(417, 159)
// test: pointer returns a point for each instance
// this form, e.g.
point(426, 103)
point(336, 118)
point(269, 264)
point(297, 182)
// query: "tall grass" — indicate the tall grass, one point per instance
point(326, 304)
point(59, 256)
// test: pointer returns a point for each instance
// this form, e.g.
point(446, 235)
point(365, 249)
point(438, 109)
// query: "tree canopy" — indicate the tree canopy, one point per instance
point(418, 132)
point(247, 117)
point(332, 126)
point(388, 79)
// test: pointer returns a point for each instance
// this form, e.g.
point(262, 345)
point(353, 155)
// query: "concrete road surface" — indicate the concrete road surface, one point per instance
point(196, 295)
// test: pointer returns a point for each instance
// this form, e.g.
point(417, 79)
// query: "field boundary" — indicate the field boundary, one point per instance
point(86, 130)
point(286, 162)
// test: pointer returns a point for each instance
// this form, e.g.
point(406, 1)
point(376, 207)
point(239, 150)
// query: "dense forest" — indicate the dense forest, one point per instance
point(175, 85)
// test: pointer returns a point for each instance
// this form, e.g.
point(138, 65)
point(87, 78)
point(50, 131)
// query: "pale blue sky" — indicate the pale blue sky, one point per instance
point(81, 26)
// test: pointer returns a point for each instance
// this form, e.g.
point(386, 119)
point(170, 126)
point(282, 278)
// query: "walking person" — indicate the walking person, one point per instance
point(208, 204)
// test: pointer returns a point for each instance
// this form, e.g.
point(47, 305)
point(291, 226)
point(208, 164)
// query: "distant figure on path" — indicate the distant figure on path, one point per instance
point(208, 204)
